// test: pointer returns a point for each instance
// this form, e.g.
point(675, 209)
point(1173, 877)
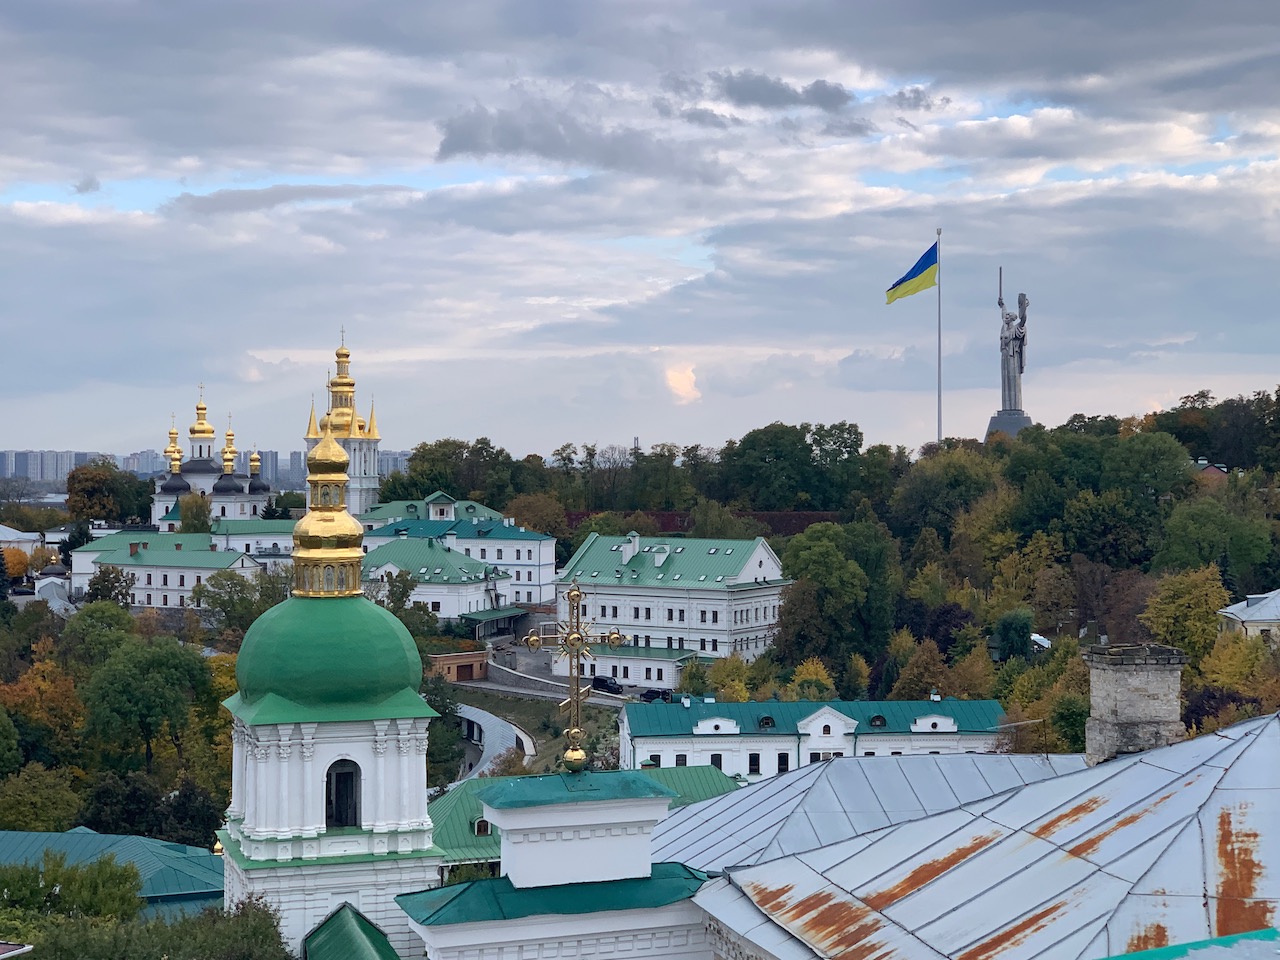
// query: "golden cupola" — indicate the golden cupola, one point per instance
point(326, 542)
point(342, 419)
point(229, 452)
point(202, 429)
point(173, 450)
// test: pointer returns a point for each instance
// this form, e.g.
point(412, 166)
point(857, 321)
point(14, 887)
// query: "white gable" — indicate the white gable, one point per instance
point(716, 725)
point(933, 723)
point(816, 723)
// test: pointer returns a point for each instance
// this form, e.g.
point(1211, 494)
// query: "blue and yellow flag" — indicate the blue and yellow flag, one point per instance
point(920, 277)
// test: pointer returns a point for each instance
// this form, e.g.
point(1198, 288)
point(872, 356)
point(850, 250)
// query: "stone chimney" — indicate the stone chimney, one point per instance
point(1134, 693)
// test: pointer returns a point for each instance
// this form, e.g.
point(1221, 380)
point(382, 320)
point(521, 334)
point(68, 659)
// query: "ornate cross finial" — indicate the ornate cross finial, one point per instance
point(342, 332)
point(201, 389)
point(573, 636)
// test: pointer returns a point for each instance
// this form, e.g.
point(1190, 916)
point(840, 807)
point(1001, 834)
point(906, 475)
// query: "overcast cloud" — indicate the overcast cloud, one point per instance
point(565, 220)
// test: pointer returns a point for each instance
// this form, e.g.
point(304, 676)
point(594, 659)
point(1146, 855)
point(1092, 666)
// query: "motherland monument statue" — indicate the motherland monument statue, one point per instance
point(1013, 361)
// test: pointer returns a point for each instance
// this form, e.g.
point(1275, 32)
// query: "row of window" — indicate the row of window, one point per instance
point(676, 614)
point(626, 672)
point(783, 761)
point(484, 553)
point(164, 579)
point(164, 600)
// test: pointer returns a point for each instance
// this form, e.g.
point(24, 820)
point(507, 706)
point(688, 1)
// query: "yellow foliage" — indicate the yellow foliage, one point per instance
point(902, 647)
point(974, 677)
point(1236, 662)
point(812, 670)
point(15, 562)
point(735, 691)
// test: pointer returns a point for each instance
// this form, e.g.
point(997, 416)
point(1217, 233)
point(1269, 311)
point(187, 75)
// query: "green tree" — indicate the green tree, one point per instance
point(94, 633)
point(195, 511)
point(541, 512)
point(110, 584)
point(1108, 528)
point(1201, 531)
point(936, 489)
point(771, 468)
point(714, 521)
point(35, 798)
point(146, 690)
point(10, 756)
point(1148, 467)
point(77, 537)
point(694, 680)
point(1183, 611)
point(230, 597)
point(97, 888)
point(1069, 714)
point(1012, 633)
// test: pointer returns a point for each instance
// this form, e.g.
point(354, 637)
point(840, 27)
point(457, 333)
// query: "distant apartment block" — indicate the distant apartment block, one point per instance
point(44, 464)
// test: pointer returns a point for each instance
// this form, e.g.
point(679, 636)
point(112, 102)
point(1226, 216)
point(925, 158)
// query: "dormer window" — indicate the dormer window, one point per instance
point(481, 827)
point(878, 721)
point(766, 722)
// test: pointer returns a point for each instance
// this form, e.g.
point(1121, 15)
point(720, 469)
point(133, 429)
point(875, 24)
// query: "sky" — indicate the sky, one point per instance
point(589, 221)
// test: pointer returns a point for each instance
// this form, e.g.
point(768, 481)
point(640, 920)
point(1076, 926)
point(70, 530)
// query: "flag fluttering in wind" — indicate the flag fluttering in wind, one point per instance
point(920, 277)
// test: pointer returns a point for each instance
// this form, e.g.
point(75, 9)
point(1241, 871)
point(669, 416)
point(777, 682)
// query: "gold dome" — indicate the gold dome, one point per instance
point(327, 456)
point(173, 449)
point(202, 429)
point(342, 418)
point(229, 454)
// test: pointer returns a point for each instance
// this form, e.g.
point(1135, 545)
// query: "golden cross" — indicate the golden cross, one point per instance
point(574, 637)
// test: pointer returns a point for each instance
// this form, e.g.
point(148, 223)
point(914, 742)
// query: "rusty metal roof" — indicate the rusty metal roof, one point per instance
point(824, 803)
point(1165, 847)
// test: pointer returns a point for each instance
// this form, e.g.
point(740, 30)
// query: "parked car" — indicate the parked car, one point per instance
point(607, 684)
point(651, 695)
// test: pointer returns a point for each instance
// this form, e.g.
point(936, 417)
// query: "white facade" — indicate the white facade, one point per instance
point(288, 847)
point(165, 567)
point(448, 601)
point(712, 616)
point(754, 754)
point(655, 669)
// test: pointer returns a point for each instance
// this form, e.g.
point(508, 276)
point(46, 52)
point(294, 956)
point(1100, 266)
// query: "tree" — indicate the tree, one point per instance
point(714, 521)
point(1012, 633)
point(541, 512)
point(1202, 531)
point(812, 681)
point(196, 513)
point(693, 680)
point(973, 677)
point(96, 888)
point(35, 798)
point(857, 678)
point(10, 756)
point(726, 671)
point(77, 536)
point(94, 633)
point(99, 490)
point(509, 763)
point(924, 674)
point(1147, 466)
point(1238, 661)
point(771, 468)
point(1109, 528)
point(46, 710)
point(145, 690)
point(1068, 716)
point(15, 562)
point(112, 585)
point(273, 511)
point(937, 488)
point(230, 597)
point(1183, 611)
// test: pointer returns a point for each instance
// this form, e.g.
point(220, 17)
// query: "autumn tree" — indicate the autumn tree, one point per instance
point(509, 763)
point(99, 490)
point(727, 671)
point(972, 677)
point(46, 709)
point(812, 681)
point(15, 562)
point(857, 678)
point(923, 674)
point(1183, 611)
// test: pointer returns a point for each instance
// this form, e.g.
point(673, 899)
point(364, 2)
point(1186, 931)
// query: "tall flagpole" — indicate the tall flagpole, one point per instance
point(939, 280)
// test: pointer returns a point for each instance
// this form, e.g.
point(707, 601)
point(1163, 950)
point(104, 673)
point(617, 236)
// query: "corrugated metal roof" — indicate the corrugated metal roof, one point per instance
point(686, 563)
point(1259, 945)
point(166, 556)
point(1263, 608)
point(464, 529)
point(1169, 846)
point(122, 539)
point(169, 870)
point(673, 719)
point(234, 527)
point(824, 803)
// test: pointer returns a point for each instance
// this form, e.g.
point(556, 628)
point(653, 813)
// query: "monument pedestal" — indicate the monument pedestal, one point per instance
point(1008, 422)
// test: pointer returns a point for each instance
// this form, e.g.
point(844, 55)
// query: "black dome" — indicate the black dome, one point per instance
point(227, 484)
point(175, 484)
point(203, 465)
point(258, 485)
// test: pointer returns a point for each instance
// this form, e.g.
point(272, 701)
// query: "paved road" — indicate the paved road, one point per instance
point(596, 700)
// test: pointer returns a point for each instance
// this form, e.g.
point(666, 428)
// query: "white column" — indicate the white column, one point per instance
point(235, 811)
point(420, 816)
point(249, 797)
point(312, 814)
point(404, 744)
point(282, 820)
point(378, 783)
point(262, 791)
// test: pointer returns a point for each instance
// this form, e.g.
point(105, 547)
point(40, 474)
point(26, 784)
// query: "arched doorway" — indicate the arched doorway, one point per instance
point(342, 795)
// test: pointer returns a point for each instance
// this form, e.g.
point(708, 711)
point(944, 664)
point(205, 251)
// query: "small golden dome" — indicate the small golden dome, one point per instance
point(327, 456)
point(202, 429)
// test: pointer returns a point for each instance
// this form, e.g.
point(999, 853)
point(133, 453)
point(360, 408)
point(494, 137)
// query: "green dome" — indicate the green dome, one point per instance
point(327, 658)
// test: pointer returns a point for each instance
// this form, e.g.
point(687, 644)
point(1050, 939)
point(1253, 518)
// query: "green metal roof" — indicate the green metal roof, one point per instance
point(553, 788)
point(205, 559)
point(481, 901)
point(674, 719)
point(430, 562)
point(1190, 949)
point(347, 934)
point(174, 876)
point(173, 513)
point(230, 526)
point(484, 616)
point(454, 815)
point(689, 563)
point(463, 529)
point(327, 658)
point(122, 538)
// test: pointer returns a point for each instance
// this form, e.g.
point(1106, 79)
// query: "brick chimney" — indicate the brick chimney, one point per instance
point(133, 548)
point(1134, 693)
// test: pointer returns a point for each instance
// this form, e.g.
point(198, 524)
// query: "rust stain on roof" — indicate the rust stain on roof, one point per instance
point(927, 872)
point(768, 899)
point(1148, 938)
point(1090, 844)
point(1238, 872)
point(838, 928)
point(1012, 936)
point(1067, 817)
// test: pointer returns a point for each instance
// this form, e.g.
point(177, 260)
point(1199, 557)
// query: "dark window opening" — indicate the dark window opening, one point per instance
point(342, 795)
point(717, 760)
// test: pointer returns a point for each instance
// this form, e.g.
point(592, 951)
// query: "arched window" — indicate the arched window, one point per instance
point(328, 578)
point(342, 578)
point(826, 729)
point(342, 795)
point(223, 512)
point(324, 495)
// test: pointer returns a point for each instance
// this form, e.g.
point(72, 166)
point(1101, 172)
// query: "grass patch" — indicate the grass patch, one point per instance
point(543, 720)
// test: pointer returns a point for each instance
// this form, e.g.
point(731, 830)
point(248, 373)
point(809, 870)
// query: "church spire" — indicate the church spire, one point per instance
point(371, 433)
point(313, 431)
point(326, 542)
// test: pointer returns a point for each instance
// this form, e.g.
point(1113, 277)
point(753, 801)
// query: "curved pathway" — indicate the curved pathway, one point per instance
point(499, 736)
